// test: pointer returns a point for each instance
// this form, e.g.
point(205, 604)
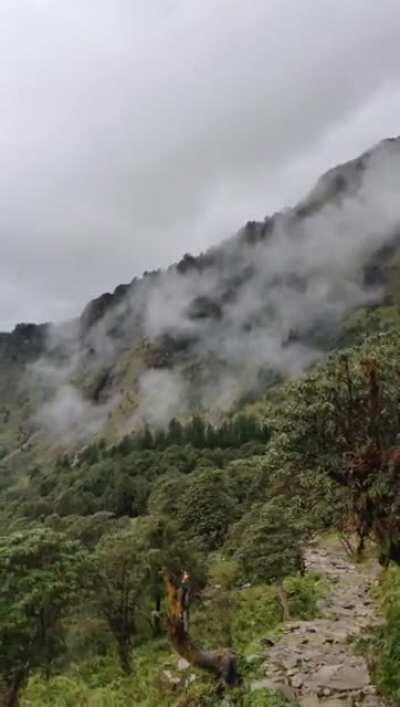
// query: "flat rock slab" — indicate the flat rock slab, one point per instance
point(340, 677)
point(314, 701)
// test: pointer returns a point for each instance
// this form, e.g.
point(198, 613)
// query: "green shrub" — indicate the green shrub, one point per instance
point(263, 698)
point(303, 594)
point(224, 573)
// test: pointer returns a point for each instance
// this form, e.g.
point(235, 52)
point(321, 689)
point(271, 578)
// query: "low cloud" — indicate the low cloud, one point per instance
point(69, 415)
point(220, 327)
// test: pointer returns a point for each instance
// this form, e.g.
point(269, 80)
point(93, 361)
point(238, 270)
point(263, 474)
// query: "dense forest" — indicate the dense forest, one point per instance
point(91, 546)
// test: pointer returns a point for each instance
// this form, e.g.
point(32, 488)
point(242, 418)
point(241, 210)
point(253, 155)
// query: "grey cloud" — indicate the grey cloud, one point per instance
point(131, 132)
point(70, 416)
point(163, 395)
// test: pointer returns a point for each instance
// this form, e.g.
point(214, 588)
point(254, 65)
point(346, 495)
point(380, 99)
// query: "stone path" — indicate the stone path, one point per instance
point(312, 663)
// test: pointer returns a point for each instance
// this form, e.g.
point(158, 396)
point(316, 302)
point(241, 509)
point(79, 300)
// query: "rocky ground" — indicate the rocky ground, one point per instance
point(313, 663)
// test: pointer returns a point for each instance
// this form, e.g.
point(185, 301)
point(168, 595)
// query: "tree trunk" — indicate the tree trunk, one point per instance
point(12, 694)
point(221, 662)
point(283, 600)
point(156, 618)
point(125, 655)
point(360, 548)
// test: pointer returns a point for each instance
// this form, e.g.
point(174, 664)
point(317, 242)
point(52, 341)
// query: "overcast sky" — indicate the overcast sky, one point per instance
point(133, 131)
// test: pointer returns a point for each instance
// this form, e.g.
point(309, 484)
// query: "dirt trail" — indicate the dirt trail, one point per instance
point(313, 661)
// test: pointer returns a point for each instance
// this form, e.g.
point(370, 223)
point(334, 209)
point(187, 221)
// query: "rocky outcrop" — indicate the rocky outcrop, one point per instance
point(24, 344)
point(96, 309)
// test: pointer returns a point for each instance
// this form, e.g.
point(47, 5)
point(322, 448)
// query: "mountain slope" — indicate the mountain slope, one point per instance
point(213, 331)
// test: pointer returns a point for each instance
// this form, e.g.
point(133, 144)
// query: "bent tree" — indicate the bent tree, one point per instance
point(222, 661)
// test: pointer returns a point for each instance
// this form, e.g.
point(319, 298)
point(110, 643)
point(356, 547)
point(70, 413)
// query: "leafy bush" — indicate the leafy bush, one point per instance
point(267, 542)
point(263, 698)
point(207, 508)
point(303, 594)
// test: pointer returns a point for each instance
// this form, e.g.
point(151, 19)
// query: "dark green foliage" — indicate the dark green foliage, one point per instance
point(199, 434)
point(207, 508)
point(121, 478)
point(39, 581)
point(127, 577)
point(90, 455)
point(249, 480)
point(166, 495)
point(117, 574)
point(87, 530)
point(175, 432)
point(342, 420)
point(267, 542)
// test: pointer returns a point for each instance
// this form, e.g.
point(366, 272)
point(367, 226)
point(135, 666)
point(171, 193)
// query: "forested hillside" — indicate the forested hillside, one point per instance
point(168, 458)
